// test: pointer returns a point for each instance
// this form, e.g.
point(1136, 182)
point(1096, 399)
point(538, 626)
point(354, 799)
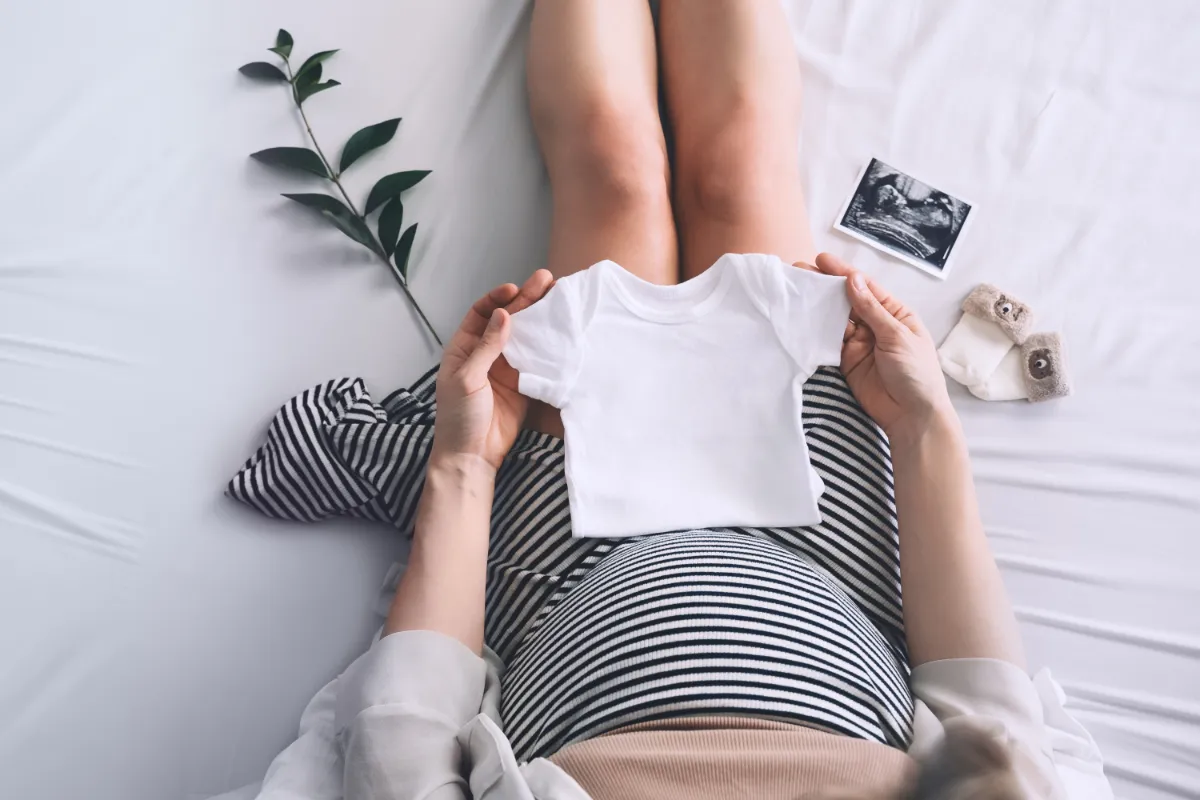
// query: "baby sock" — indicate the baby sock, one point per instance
point(991, 323)
point(1035, 371)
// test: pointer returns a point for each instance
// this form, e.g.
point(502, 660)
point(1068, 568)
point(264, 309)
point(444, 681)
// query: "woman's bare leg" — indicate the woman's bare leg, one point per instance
point(733, 88)
point(593, 95)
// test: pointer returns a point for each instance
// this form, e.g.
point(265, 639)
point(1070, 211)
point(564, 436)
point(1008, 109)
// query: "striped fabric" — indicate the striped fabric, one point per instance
point(798, 624)
point(703, 623)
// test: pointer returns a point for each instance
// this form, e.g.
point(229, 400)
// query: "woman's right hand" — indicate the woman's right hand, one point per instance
point(888, 358)
point(479, 410)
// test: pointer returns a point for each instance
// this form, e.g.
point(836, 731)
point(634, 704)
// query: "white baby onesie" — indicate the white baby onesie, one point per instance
point(681, 404)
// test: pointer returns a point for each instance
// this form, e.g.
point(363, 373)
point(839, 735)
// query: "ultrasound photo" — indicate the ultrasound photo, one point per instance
point(909, 219)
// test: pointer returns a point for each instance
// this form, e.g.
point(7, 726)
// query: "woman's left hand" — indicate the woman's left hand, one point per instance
point(479, 410)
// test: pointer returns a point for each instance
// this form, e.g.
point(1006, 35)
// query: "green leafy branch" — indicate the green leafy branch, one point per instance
point(389, 244)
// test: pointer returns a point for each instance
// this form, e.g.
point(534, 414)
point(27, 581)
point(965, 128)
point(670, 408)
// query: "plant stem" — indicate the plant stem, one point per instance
point(337, 181)
point(416, 306)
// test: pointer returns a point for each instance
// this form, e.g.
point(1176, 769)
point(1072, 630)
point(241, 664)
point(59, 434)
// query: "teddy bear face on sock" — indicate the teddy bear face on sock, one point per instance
point(989, 303)
point(1045, 367)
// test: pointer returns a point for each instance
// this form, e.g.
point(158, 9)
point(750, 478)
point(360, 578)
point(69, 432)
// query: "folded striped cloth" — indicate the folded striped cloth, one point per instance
point(332, 450)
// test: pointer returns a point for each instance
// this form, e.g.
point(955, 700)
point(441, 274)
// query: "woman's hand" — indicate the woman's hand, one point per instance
point(888, 357)
point(479, 410)
point(954, 600)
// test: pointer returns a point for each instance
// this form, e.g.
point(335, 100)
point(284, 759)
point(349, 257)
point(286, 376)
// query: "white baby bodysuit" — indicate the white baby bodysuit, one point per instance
point(681, 404)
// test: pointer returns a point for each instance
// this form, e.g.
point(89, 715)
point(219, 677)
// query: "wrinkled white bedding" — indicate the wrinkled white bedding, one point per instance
point(158, 300)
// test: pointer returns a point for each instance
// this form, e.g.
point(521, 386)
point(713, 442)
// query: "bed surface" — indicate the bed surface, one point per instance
point(159, 300)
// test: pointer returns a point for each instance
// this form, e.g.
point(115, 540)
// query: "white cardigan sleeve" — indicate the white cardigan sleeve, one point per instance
point(399, 713)
point(1001, 697)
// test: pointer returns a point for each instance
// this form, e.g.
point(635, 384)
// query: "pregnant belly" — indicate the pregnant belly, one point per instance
point(703, 622)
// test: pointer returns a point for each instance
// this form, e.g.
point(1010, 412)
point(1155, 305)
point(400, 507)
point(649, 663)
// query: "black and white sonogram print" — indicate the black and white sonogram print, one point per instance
point(898, 213)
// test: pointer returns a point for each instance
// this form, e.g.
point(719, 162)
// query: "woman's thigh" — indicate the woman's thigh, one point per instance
point(592, 81)
point(733, 88)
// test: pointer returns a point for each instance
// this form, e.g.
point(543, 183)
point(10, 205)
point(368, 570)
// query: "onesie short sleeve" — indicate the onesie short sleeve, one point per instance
point(811, 317)
point(808, 310)
point(546, 342)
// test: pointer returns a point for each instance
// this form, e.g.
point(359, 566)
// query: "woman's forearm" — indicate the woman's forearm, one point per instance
point(955, 605)
point(444, 583)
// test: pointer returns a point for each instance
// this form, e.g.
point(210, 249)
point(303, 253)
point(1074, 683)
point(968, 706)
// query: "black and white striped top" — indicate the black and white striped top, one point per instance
point(703, 622)
point(802, 625)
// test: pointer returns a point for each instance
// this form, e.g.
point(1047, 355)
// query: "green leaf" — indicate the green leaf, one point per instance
point(336, 212)
point(391, 219)
point(367, 140)
point(313, 62)
point(390, 186)
point(283, 44)
point(292, 157)
point(262, 71)
point(313, 75)
point(404, 250)
point(305, 92)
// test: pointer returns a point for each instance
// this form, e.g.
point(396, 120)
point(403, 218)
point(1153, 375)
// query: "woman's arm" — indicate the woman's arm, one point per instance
point(955, 605)
point(443, 585)
point(954, 600)
point(402, 707)
point(479, 412)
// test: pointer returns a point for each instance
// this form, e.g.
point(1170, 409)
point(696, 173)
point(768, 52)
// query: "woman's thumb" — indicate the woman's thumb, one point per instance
point(867, 306)
point(491, 344)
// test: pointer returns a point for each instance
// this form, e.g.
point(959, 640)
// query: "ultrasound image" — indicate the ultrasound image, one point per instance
point(905, 215)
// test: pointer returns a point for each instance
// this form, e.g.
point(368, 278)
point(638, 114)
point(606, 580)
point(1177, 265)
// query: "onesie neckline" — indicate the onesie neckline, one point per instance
point(681, 302)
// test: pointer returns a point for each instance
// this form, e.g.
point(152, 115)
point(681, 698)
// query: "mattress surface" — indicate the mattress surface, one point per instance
point(159, 300)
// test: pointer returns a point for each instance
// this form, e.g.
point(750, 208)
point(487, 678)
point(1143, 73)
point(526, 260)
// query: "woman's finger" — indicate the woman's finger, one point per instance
point(477, 318)
point(848, 334)
point(868, 307)
point(491, 344)
point(534, 289)
point(830, 264)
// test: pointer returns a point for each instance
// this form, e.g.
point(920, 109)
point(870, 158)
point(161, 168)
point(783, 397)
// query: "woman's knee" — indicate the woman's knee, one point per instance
point(735, 162)
point(606, 151)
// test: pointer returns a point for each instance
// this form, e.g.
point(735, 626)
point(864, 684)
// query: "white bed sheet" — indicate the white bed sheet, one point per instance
point(158, 300)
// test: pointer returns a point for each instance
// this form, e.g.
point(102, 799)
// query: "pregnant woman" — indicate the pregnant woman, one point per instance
point(520, 662)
